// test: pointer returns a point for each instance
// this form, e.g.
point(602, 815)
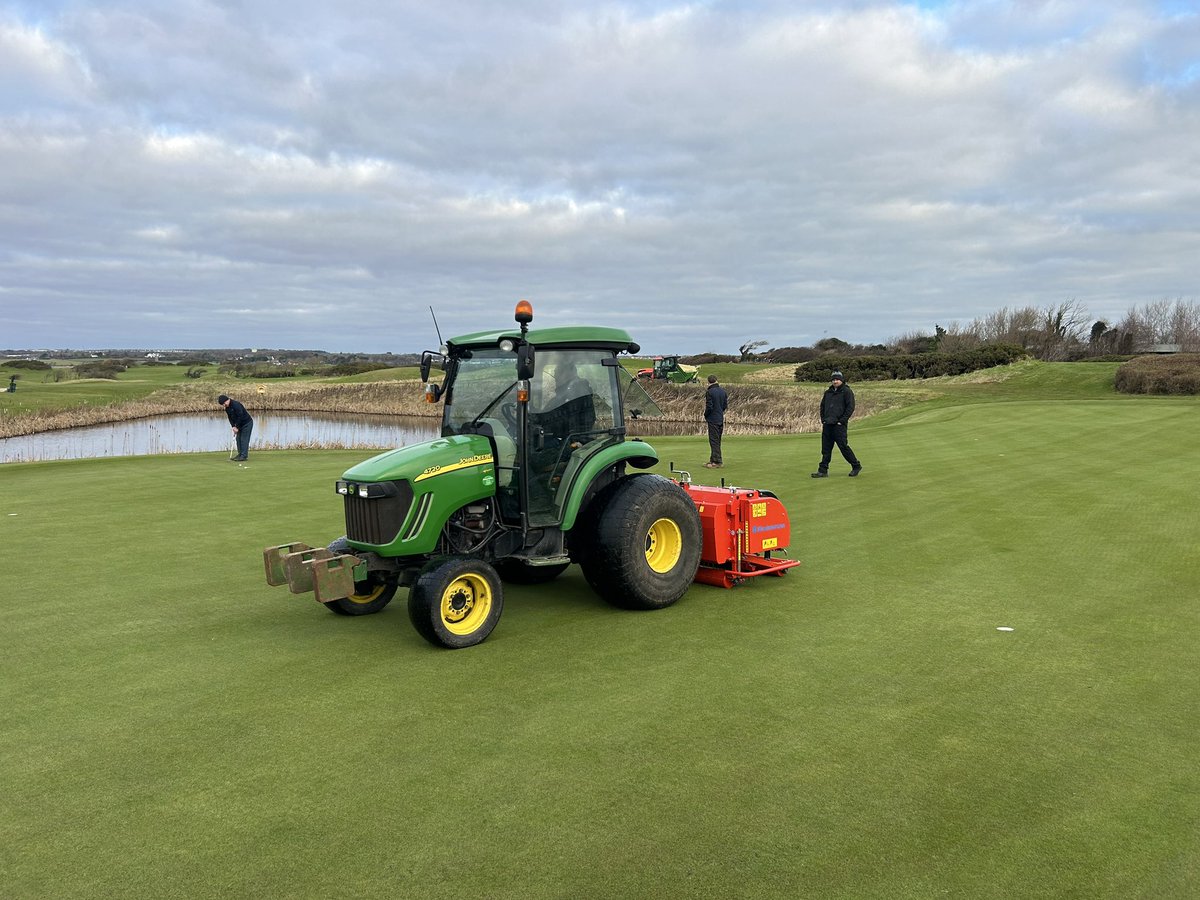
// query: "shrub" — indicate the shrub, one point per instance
point(34, 365)
point(791, 354)
point(101, 368)
point(1175, 374)
point(707, 359)
point(910, 365)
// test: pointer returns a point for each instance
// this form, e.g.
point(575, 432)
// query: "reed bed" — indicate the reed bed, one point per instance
point(401, 398)
point(753, 409)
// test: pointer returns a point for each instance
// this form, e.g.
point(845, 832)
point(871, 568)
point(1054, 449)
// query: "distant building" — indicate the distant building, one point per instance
point(1165, 348)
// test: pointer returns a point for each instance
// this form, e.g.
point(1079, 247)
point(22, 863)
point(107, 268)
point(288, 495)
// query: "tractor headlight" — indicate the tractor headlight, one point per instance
point(508, 345)
point(370, 490)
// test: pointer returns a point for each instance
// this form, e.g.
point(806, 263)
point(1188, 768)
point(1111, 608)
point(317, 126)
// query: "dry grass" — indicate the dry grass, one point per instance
point(401, 398)
point(778, 409)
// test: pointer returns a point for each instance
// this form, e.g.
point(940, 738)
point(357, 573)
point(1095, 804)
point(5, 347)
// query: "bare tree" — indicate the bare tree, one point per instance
point(1062, 328)
point(1163, 322)
point(747, 349)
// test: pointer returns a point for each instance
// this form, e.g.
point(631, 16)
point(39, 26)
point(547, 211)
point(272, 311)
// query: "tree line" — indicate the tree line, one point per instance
point(1063, 331)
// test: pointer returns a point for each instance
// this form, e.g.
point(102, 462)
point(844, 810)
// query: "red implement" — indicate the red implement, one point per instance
point(742, 528)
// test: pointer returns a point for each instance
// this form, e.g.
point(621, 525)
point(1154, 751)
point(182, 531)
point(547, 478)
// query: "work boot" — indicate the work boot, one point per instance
point(820, 474)
point(855, 470)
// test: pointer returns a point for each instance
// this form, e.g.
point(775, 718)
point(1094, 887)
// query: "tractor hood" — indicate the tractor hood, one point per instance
point(464, 453)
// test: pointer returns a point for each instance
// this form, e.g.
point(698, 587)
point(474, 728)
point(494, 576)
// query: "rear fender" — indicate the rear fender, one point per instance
point(636, 453)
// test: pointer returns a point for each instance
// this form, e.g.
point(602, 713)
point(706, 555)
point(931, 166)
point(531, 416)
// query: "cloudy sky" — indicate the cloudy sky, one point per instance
point(286, 173)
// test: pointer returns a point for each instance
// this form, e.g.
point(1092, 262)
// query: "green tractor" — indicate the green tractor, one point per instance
point(670, 369)
point(531, 474)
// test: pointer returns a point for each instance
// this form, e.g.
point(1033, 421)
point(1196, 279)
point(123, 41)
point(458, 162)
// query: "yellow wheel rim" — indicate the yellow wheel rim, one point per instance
point(369, 596)
point(466, 603)
point(664, 545)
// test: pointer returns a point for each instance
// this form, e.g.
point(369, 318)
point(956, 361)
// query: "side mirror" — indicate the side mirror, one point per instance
point(524, 362)
point(428, 359)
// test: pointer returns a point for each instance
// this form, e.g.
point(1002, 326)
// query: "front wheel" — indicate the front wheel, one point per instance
point(647, 543)
point(369, 596)
point(456, 602)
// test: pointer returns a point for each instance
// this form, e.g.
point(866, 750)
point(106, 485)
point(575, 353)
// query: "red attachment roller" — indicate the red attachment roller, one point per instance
point(742, 528)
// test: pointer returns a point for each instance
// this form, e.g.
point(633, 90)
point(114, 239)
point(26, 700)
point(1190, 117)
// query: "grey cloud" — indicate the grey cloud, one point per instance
point(281, 170)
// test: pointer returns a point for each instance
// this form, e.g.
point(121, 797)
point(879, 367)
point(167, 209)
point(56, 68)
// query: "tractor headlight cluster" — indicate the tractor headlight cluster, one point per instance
point(369, 491)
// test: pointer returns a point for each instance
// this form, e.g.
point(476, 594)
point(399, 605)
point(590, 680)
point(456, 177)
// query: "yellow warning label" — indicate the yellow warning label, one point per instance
point(758, 510)
point(770, 543)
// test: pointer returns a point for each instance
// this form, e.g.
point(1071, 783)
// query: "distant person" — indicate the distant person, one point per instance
point(715, 403)
point(837, 406)
point(242, 425)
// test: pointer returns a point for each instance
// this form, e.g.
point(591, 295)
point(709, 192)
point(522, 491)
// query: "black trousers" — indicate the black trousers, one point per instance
point(243, 439)
point(714, 442)
point(835, 434)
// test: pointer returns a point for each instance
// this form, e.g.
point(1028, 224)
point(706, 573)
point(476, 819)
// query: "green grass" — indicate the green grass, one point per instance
point(859, 728)
point(35, 392)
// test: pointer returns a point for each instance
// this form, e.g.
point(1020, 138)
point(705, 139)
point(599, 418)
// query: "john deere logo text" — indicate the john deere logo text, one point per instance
point(466, 463)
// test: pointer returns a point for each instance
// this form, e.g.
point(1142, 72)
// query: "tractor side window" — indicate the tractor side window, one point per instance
point(572, 409)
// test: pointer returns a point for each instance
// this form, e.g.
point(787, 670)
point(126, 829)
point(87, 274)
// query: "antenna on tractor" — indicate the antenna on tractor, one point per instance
point(435, 326)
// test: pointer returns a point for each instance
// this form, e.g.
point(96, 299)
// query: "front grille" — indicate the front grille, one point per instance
point(377, 520)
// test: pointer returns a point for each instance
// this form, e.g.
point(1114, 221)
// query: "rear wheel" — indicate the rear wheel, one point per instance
point(456, 601)
point(369, 596)
point(647, 544)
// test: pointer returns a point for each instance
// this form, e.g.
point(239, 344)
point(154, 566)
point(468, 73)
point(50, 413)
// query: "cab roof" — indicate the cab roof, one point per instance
point(616, 339)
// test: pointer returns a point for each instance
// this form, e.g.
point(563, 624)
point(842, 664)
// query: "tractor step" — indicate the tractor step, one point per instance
point(303, 568)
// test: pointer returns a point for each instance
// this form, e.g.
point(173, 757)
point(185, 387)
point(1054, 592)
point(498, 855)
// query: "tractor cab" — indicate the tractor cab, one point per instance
point(549, 401)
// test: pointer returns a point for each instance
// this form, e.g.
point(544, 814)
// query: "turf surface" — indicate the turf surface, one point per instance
point(172, 727)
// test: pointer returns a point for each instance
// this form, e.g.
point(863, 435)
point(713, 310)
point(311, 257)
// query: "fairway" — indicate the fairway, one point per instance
point(172, 727)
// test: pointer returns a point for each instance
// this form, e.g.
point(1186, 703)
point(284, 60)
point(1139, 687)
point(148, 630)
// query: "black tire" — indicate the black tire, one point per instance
point(369, 596)
point(514, 571)
point(456, 601)
point(646, 543)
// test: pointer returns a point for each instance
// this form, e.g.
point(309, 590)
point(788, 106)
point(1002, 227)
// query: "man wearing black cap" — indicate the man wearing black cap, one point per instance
point(837, 406)
point(241, 423)
point(716, 401)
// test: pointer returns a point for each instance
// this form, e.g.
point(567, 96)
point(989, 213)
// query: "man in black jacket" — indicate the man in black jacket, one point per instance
point(837, 406)
point(715, 402)
point(241, 423)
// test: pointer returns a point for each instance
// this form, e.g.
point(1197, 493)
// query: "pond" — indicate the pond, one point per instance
point(194, 433)
point(197, 433)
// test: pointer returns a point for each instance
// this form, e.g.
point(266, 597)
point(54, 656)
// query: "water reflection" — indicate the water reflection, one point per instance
point(202, 433)
point(198, 433)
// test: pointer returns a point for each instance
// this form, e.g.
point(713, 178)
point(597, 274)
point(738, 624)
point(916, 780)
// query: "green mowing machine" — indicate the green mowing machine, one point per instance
point(669, 368)
point(530, 475)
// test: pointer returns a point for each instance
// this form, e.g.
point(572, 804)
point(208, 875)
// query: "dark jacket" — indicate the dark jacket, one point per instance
point(715, 401)
point(837, 405)
point(238, 417)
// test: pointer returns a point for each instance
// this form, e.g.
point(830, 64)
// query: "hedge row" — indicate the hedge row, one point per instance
point(910, 365)
point(1175, 374)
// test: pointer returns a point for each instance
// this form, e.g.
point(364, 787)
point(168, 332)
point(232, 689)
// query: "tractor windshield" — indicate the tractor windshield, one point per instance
point(485, 387)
